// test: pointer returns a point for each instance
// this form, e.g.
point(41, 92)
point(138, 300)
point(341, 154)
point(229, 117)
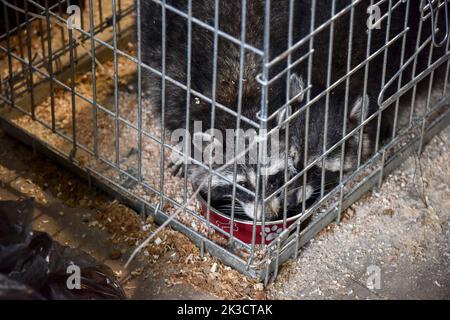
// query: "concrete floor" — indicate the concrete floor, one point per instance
point(391, 230)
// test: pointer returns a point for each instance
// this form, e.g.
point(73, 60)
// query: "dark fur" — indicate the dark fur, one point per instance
point(202, 59)
point(336, 116)
point(228, 70)
point(228, 59)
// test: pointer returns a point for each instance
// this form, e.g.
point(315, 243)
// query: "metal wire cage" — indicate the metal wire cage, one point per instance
point(77, 84)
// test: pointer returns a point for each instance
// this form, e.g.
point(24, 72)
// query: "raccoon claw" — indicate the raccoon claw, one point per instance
point(177, 168)
point(178, 171)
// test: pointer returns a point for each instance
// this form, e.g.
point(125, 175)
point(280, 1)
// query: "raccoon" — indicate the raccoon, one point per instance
point(193, 40)
point(247, 103)
point(361, 101)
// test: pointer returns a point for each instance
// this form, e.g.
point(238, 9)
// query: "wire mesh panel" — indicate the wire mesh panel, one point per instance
point(248, 125)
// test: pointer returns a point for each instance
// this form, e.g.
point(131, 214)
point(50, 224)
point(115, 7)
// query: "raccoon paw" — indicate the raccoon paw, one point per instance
point(177, 168)
point(177, 161)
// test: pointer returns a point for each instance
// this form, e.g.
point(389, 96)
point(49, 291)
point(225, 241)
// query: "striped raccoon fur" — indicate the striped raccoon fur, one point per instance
point(194, 41)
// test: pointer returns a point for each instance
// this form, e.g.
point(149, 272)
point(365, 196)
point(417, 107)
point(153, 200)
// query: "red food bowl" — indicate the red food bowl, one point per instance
point(243, 228)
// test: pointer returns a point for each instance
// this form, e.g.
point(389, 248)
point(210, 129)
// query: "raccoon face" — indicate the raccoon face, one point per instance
point(272, 178)
point(333, 162)
point(333, 133)
point(355, 148)
point(278, 168)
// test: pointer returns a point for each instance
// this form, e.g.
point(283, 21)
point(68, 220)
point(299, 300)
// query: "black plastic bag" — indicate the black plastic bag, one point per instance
point(13, 290)
point(33, 266)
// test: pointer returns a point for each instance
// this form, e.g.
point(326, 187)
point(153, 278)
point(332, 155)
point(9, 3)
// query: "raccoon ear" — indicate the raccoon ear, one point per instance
point(284, 114)
point(360, 107)
point(297, 86)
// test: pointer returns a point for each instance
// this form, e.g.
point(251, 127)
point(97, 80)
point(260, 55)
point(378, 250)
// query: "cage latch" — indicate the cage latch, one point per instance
point(434, 28)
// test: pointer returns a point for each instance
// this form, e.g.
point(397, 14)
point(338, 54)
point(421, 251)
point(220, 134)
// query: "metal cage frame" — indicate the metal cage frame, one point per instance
point(104, 37)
